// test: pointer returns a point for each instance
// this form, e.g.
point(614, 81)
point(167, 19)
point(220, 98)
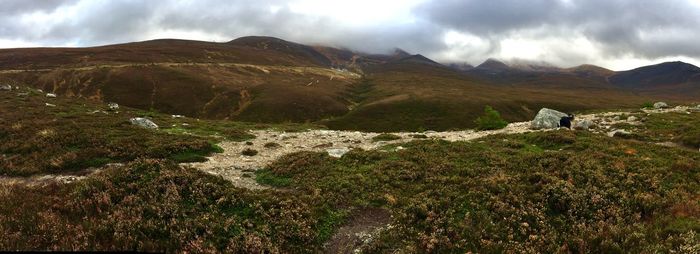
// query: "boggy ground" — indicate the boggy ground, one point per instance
point(541, 192)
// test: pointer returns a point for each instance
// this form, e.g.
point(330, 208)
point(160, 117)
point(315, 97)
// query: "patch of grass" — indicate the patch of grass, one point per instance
point(385, 137)
point(329, 222)
point(266, 177)
point(419, 136)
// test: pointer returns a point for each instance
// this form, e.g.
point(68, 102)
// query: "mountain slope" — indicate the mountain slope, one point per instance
point(656, 76)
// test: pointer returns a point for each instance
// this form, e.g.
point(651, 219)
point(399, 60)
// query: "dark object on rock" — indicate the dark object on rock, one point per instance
point(566, 121)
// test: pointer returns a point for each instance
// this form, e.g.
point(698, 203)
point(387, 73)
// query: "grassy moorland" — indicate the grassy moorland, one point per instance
point(559, 191)
point(679, 128)
point(70, 135)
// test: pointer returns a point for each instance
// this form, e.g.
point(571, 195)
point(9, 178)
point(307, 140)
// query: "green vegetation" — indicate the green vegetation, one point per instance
point(491, 120)
point(544, 192)
point(680, 128)
point(648, 105)
point(385, 137)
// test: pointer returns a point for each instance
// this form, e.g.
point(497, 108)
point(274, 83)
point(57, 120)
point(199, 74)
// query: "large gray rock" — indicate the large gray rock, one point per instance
point(143, 122)
point(5, 88)
point(547, 119)
point(660, 105)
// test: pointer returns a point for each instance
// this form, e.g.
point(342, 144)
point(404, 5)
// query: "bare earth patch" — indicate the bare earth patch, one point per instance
point(363, 228)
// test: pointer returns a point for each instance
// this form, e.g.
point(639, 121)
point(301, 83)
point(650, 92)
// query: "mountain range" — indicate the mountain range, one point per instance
point(265, 79)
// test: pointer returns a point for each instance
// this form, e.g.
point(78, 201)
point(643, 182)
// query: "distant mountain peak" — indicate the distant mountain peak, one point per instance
point(493, 64)
point(658, 75)
point(419, 59)
point(400, 53)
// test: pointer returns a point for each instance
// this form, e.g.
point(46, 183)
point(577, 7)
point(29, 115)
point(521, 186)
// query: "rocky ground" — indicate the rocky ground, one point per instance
point(240, 160)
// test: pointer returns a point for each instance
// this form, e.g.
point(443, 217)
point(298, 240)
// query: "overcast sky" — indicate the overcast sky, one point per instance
point(617, 34)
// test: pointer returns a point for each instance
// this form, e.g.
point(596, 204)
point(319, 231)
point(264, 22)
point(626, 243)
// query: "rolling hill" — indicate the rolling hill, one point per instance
point(265, 79)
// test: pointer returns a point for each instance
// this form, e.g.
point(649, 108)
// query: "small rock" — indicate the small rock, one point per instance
point(50, 105)
point(113, 106)
point(6, 87)
point(619, 133)
point(22, 94)
point(337, 152)
point(632, 119)
point(178, 116)
point(50, 95)
point(660, 105)
point(583, 124)
point(143, 122)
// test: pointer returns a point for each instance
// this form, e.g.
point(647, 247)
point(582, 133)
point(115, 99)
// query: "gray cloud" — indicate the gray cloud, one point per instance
point(644, 29)
point(619, 26)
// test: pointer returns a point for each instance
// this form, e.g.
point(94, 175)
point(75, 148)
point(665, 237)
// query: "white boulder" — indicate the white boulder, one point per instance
point(547, 119)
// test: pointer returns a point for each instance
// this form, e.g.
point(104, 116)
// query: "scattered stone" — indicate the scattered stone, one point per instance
point(50, 105)
point(143, 122)
point(6, 87)
point(50, 95)
point(584, 124)
point(337, 152)
point(22, 94)
point(249, 152)
point(178, 116)
point(660, 105)
point(632, 119)
point(113, 106)
point(618, 133)
point(547, 119)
